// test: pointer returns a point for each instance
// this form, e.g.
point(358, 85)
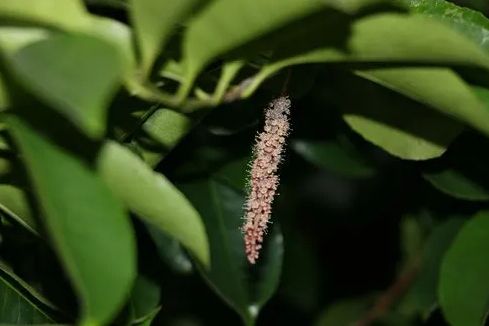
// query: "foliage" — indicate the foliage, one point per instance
point(125, 139)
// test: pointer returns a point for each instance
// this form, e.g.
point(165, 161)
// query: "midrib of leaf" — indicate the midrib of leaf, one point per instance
point(217, 203)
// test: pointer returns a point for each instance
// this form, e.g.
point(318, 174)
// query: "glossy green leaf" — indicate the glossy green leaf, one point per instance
point(152, 197)
point(400, 126)
point(394, 38)
point(471, 23)
point(90, 231)
point(422, 295)
point(14, 202)
point(19, 303)
point(41, 13)
point(463, 286)
point(82, 91)
point(388, 39)
point(155, 22)
point(224, 25)
point(333, 157)
point(221, 210)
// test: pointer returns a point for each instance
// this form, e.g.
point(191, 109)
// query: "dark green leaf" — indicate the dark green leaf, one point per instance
point(88, 226)
point(471, 23)
point(21, 304)
point(422, 296)
point(334, 157)
point(462, 171)
point(223, 26)
point(145, 298)
point(456, 184)
point(437, 88)
point(464, 286)
point(4, 98)
point(153, 198)
point(221, 209)
point(387, 39)
point(345, 312)
point(400, 126)
point(170, 250)
point(80, 91)
point(14, 202)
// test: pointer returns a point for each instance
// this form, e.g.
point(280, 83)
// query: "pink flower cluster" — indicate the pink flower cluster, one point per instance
point(264, 180)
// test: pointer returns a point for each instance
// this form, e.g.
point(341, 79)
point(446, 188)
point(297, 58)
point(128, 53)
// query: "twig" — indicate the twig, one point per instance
point(387, 299)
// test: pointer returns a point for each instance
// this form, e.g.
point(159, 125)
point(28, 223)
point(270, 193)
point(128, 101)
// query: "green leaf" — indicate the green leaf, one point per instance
point(154, 22)
point(21, 304)
point(345, 312)
point(334, 157)
point(400, 126)
point(148, 319)
point(226, 25)
point(120, 36)
point(458, 185)
point(164, 128)
point(422, 296)
point(80, 91)
point(74, 15)
point(221, 210)
point(89, 228)
point(386, 39)
point(439, 89)
point(167, 127)
point(462, 172)
point(4, 98)
point(464, 286)
point(15, 38)
point(145, 298)
point(170, 251)
point(471, 23)
point(152, 197)
point(14, 202)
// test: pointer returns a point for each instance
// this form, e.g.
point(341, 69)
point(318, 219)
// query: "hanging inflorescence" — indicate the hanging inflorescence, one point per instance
point(264, 179)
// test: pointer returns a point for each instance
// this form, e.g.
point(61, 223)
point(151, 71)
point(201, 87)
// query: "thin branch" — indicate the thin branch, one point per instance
point(393, 293)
